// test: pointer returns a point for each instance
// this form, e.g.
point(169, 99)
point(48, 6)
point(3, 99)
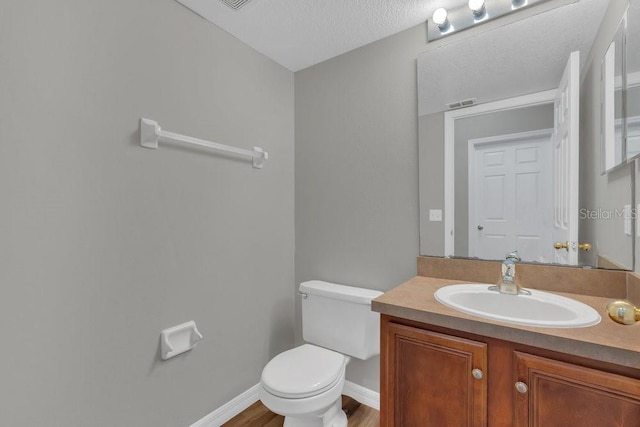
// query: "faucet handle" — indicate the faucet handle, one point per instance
point(508, 269)
point(513, 256)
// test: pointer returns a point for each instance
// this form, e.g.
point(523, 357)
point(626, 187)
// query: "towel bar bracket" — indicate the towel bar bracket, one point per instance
point(149, 133)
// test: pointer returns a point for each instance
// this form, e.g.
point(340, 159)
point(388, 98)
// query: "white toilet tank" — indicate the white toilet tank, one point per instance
point(339, 318)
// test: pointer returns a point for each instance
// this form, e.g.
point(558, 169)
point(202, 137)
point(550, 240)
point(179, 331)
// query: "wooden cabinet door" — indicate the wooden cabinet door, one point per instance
point(562, 394)
point(428, 379)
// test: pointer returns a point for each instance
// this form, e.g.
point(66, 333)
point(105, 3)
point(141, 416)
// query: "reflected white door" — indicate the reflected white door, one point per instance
point(510, 196)
point(565, 162)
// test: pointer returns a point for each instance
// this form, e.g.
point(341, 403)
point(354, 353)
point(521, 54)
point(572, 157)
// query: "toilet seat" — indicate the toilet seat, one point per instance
point(302, 372)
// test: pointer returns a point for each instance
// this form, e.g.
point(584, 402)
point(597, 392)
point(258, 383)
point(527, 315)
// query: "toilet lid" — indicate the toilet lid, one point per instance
point(303, 371)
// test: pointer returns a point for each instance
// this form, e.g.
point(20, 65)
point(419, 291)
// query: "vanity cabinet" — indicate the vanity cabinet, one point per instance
point(551, 393)
point(431, 376)
point(432, 380)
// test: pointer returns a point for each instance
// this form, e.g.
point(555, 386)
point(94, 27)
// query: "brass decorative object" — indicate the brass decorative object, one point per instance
point(623, 312)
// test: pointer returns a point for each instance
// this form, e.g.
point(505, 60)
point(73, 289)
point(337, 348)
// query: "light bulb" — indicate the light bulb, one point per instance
point(477, 7)
point(440, 19)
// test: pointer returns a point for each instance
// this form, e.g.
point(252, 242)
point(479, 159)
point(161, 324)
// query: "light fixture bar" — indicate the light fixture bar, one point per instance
point(473, 13)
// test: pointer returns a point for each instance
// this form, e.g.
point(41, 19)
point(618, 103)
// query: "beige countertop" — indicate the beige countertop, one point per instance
point(607, 341)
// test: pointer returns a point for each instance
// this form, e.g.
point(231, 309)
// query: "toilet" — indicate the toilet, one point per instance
point(305, 384)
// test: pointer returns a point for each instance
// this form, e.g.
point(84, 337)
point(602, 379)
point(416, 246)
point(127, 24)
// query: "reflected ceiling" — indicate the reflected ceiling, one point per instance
point(523, 57)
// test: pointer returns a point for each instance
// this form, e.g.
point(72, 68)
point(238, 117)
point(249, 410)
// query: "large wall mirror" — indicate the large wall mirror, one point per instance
point(512, 181)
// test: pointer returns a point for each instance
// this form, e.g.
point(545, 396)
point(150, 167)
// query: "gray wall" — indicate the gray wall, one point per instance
point(105, 243)
point(356, 170)
point(608, 192)
point(431, 181)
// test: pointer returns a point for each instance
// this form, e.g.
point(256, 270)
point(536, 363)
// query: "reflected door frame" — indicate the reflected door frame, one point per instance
point(450, 117)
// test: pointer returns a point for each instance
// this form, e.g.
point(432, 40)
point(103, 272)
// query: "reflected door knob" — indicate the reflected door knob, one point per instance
point(565, 245)
point(560, 245)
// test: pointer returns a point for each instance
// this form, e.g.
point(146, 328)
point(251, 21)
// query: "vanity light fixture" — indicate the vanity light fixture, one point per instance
point(477, 8)
point(446, 22)
point(441, 19)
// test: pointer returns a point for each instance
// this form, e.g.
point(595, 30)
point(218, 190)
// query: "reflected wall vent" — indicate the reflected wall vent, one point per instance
point(235, 4)
point(461, 104)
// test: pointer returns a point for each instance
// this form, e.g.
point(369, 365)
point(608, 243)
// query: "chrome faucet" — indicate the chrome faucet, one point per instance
point(507, 284)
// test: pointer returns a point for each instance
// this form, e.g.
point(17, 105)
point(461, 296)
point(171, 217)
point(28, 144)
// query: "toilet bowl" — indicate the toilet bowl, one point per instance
point(305, 383)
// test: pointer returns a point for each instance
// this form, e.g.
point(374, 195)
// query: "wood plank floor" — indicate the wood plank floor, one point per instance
point(257, 415)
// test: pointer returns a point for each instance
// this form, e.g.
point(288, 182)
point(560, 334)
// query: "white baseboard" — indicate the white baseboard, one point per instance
point(230, 409)
point(361, 394)
point(249, 397)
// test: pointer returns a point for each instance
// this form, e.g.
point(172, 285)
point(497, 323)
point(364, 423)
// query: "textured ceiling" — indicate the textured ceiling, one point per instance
point(301, 33)
point(519, 58)
point(527, 54)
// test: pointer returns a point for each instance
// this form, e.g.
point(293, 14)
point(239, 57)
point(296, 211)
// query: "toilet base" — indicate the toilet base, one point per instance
point(334, 417)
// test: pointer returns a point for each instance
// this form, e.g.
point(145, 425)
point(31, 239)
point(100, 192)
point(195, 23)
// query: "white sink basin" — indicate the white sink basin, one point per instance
point(538, 309)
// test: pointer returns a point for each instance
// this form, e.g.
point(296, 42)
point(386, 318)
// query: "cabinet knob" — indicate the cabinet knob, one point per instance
point(477, 374)
point(521, 387)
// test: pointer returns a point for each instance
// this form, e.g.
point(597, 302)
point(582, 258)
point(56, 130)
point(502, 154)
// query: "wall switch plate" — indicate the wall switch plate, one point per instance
point(627, 220)
point(435, 214)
